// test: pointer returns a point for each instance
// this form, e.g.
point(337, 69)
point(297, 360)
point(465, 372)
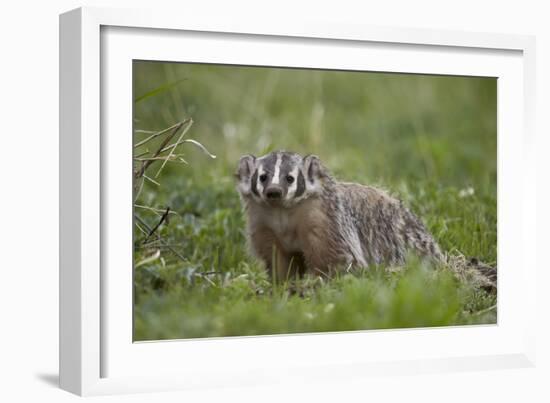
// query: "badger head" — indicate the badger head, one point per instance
point(280, 178)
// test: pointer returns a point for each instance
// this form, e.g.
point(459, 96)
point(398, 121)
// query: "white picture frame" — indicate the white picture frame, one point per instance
point(96, 354)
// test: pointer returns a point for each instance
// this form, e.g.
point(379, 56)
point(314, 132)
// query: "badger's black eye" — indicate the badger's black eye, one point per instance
point(289, 178)
point(263, 177)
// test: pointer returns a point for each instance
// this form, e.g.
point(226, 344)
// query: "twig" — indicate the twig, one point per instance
point(155, 244)
point(145, 164)
point(154, 210)
point(175, 252)
point(141, 154)
point(484, 310)
point(206, 278)
point(203, 148)
point(149, 259)
point(160, 133)
point(141, 229)
point(195, 142)
point(160, 239)
point(139, 189)
point(152, 180)
point(145, 131)
point(323, 274)
point(174, 156)
point(189, 124)
point(162, 219)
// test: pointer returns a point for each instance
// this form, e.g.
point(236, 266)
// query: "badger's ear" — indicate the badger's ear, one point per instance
point(313, 169)
point(246, 167)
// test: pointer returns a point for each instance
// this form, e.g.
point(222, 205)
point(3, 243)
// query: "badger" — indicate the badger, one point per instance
point(300, 219)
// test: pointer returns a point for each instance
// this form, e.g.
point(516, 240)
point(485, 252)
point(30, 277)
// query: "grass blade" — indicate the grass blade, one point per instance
point(159, 90)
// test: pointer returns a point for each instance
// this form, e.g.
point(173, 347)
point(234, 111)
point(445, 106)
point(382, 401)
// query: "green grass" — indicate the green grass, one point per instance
point(427, 139)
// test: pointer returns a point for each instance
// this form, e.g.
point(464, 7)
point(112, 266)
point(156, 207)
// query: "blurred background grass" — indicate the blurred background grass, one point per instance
point(429, 140)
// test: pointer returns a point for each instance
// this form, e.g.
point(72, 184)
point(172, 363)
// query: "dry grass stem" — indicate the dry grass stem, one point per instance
point(154, 210)
point(172, 158)
point(150, 179)
point(189, 124)
point(141, 154)
point(138, 188)
point(166, 141)
point(195, 142)
point(485, 310)
point(160, 133)
point(168, 246)
point(141, 131)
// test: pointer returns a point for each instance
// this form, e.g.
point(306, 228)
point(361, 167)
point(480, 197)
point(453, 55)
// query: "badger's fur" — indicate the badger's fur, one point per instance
point(300, 219)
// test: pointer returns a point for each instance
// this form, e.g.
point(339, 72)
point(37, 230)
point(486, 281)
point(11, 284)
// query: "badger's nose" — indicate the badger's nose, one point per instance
point(273, 193)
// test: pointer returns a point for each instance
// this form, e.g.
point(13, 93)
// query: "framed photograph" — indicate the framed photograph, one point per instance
point(254, 202)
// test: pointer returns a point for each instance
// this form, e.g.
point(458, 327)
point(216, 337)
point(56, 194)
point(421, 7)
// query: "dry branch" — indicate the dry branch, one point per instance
point(189, 124)
point(154, 210)
point(168, 246)
point(148, 228)
point(171, 133)
point(162, 219)
point(159, 133)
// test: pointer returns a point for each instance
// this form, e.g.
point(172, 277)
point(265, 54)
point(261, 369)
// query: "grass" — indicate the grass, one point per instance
point(430, 140)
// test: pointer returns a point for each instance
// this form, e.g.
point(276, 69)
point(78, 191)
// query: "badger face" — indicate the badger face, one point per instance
point(278, 179)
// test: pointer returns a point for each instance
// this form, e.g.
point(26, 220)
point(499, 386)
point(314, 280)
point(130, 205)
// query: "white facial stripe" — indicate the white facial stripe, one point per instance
point(294, 185)
point(259, 184)
point(275, 179)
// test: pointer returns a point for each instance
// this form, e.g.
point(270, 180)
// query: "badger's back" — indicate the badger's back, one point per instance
point(386, 228)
